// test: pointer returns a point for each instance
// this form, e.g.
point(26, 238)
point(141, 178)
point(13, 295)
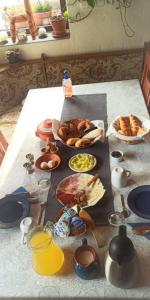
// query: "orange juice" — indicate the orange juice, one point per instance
point(47, 257)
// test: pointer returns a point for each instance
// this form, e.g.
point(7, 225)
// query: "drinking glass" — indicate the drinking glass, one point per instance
point(44, 186)
point(116, 219)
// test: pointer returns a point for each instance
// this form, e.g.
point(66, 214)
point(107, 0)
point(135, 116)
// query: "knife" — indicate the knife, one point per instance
point(140, 230)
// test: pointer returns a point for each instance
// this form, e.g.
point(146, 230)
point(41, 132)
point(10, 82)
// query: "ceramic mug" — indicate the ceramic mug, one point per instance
point(119, 177)
point(86, 263)
point(116, 156)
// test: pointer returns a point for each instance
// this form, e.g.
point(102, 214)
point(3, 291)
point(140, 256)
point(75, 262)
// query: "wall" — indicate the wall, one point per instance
point(101, 31)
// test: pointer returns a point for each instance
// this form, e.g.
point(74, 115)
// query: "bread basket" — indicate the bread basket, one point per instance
point(112, 130)
point(99, 124)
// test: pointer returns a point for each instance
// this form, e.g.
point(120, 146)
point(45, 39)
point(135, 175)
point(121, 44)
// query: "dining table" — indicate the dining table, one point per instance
point(18, 280)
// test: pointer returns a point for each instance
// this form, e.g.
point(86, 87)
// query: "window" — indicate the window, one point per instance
point(21, 32)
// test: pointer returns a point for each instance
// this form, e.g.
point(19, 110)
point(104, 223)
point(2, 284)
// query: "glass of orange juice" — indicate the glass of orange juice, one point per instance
point(47, 256)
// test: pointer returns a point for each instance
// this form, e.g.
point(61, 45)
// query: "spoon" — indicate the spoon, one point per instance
point(124, 211)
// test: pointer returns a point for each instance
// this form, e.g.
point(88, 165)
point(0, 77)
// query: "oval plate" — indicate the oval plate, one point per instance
point(13, 208)
point(77, 156)
point(71, 185)
point(139, 201)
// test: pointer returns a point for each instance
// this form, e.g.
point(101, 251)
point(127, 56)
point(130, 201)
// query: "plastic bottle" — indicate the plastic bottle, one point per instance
point(67, 85)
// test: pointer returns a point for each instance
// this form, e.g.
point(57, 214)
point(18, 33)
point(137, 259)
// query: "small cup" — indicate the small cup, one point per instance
point(116, 156)
point(119, 177)
point(86, 263)
point(25, 226)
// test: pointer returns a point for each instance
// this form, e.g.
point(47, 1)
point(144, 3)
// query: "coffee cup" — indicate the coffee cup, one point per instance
point(119, 177)
point(86, 263)
point(116, 156)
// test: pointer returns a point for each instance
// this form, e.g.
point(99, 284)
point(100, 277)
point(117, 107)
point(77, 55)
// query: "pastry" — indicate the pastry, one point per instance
point(72, 141)
point(124, 124)
point(63, 133)
point(73, 132)
point(82, 143)
point(84, 125)
point(130, 126)
point(135, 124)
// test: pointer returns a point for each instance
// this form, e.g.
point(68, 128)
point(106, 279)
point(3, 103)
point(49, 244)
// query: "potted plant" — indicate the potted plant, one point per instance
point(58, 22)
point(41, 12)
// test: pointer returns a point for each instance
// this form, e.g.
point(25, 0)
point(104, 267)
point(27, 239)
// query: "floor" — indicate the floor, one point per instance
point(8, 122)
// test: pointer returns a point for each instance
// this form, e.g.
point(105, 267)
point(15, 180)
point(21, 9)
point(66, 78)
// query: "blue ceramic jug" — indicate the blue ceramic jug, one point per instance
point(86, 263)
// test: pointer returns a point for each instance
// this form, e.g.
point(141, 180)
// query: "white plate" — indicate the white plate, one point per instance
point(78, 169)
point(72, 184)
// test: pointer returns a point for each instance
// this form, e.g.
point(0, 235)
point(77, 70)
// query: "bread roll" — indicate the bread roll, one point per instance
point(93, 134)
point(82, 143)
point(72, 141)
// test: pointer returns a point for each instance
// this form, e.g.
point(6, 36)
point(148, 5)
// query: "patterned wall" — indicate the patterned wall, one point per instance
point(95, 67)
point(17, 79)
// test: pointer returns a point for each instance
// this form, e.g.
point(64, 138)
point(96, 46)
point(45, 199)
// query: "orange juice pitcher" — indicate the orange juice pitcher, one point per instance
point(47, 257)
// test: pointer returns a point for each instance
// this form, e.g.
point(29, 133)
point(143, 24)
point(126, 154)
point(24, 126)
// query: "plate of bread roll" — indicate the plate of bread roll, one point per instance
point(79, 133)
point(130, 128)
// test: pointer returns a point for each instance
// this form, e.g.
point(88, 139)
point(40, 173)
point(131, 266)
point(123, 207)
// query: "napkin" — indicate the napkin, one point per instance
point(134, 225)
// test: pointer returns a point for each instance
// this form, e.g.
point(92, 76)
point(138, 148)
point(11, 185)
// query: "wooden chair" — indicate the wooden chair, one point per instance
point(145, 78)
point(28, 16)
point(3, 146)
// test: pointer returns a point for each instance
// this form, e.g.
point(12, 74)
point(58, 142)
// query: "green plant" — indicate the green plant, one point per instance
point(16, 9)
point(42, 6)
point(66, 15)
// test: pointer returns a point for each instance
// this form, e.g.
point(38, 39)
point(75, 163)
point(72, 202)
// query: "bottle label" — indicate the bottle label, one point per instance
point(68, 91)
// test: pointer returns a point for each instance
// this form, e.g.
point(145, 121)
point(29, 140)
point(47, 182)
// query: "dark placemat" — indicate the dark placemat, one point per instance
point(93, 107)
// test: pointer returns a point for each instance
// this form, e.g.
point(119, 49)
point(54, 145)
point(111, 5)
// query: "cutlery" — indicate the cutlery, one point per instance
point(84, 215)
point(124, 211)
point(140, 230)
point(43, 206)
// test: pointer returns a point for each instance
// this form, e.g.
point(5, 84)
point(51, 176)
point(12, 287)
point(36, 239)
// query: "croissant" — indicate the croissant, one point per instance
point(124, 125)
point(135, 124)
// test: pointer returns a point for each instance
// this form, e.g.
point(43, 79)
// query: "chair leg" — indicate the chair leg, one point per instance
point(3, 142)
point(2, 153)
